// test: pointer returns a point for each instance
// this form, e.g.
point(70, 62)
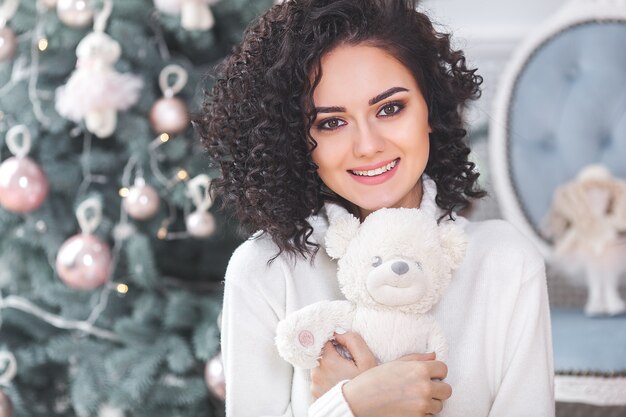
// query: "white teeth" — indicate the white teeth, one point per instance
point(377, 171)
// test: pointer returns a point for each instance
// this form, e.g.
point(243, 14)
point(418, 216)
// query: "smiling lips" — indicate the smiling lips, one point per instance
point(375, 174)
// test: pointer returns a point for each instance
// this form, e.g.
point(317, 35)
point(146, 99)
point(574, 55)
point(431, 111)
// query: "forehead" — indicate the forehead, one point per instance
point(358, 73)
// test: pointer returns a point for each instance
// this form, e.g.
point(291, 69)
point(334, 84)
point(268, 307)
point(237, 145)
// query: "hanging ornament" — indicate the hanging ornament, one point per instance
point(142, 201)
point(74, 13)
point(84, 261)
point(23, 185)
point(107, 410)
point(169, 114)
point(194, 14)
point(8, 41)
point(49, 3)
point(95, 91)
point(8, 369)
point(200, 223)
point(6, 409)
point(8, 44)
point(214, 376)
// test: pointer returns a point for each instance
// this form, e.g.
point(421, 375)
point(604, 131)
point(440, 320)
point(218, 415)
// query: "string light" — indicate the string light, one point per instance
point(162, 233)
point(42, 45)
point(124, 191)
point(164, 137)
point(122, 288)
point(182, 175)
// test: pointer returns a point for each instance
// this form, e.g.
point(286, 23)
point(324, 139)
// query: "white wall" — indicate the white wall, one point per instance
point(488, 31)
point(490, 18)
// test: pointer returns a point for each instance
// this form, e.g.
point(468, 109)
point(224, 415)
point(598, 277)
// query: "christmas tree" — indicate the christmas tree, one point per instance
point(111, 250)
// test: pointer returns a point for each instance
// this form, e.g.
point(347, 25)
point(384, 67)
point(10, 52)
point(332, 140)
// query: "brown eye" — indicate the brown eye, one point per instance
point(331, 124)
point(390, 109)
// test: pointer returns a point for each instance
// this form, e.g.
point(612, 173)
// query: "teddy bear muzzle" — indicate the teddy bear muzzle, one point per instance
point(396, 282)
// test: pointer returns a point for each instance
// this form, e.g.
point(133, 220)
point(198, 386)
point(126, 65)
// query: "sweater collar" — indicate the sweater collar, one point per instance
point(319, 221)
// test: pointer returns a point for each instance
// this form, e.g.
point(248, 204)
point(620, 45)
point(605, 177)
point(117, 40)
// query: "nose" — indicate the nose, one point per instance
point(400, 267)
point(368, 142)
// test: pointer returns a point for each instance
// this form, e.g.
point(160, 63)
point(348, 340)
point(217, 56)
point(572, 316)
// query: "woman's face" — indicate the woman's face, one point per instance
point(371, 129)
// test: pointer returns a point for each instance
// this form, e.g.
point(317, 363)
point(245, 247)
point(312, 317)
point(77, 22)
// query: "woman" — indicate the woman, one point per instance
point(359, 102)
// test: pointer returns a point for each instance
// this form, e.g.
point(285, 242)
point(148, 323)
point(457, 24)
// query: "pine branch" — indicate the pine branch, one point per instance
point(26, 306)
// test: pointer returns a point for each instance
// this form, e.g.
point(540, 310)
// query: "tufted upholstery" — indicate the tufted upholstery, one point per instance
point(561, 106)
point(567, 110)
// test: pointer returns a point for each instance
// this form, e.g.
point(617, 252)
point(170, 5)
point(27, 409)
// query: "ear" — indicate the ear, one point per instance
point(453, 243)
point(342, 228)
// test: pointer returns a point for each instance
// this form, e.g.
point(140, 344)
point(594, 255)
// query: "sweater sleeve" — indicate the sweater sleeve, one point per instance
point(258, 381)
point(527, 386)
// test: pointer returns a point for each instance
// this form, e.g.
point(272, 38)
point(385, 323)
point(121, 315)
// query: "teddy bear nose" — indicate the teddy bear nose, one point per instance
point(400, 267)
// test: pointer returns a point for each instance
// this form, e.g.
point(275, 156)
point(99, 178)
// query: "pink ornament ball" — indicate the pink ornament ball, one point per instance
point(214, 376)
point(84, 262)
point(200, 224)
point(169, 115)
point(23, 185)
point(8, 43)
point(75, 13)
point(142, 202)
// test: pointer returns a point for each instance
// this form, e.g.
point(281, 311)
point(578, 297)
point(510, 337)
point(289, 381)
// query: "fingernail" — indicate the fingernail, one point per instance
point(340, 330)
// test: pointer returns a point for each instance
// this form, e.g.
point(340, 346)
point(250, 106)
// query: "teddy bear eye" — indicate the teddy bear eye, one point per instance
point(419, 265)
point(376, 261)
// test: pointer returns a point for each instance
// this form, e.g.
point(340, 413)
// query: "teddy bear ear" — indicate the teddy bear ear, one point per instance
point(453, 242)
point(342, 228)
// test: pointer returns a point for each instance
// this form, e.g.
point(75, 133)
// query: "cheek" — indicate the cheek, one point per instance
point(326, 155)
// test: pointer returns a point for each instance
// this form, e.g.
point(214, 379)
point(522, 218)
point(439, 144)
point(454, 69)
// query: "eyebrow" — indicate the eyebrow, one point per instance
point(380, 97)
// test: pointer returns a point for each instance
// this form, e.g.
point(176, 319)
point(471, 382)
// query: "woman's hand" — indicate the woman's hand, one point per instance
point(401, 387)
point(408, 386)
point(334, 368)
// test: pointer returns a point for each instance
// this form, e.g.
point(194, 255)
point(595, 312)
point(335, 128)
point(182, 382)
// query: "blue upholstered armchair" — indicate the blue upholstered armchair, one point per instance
point(562, 106)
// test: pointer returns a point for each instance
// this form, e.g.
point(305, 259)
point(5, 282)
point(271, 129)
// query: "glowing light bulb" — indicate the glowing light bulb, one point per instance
point(182, 175)
point(42, 44)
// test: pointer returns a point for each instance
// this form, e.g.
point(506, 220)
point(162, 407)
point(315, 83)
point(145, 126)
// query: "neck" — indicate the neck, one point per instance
point(412, 200)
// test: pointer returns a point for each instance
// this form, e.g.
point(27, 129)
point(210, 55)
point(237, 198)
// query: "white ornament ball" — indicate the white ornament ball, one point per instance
point(75, 13)
point(23, 185)
point(142, 202)
point(84, 262)
point(214, 376)
point(168, 6)
point(6, 409)
point(8, 43)
point(200, 224)
point(169, 115)
point(107, 410)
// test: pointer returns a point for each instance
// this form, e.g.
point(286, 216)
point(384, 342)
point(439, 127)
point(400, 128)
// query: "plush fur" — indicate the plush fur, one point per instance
point(392, 269)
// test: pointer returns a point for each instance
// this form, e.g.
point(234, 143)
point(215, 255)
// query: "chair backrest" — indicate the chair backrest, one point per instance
point(561, 106)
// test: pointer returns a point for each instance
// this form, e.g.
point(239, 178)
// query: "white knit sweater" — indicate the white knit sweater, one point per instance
point(494, 315)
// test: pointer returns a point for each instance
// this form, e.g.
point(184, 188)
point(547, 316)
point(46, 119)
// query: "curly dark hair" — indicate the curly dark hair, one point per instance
point(256, 119)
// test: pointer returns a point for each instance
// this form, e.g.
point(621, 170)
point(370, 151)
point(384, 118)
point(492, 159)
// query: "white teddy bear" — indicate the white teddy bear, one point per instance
point(392, 269)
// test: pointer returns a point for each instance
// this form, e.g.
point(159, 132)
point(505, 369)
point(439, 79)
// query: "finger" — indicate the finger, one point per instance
point(436, 369)
point(357, 347)
point(328, 352)
point(441, 390)
point(430, 356)
point(435, 407)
